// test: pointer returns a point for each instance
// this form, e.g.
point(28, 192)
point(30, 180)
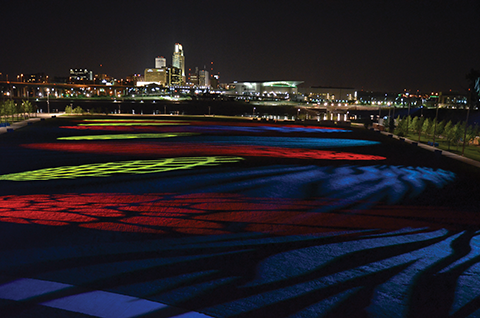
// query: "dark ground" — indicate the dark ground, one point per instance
point(277, 225)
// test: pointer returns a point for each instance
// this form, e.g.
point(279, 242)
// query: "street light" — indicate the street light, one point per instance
point(466, 121)
point(48, 100)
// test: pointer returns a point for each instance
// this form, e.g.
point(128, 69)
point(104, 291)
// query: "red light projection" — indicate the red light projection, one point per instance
point(218, 213)
point(202, 123)
point(179, 126)
point(196, 149)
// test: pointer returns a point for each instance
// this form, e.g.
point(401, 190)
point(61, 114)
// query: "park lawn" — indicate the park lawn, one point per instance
point(471, 151)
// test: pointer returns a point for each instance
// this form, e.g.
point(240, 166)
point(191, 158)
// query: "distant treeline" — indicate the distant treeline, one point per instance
point(453, 133)
point(454, 115)
point(11, 111)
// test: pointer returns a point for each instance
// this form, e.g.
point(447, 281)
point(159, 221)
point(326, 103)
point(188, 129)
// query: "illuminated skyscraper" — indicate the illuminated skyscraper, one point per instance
point(178, 60)
point(81, 74)
point(160, 62)
point(203, 79)
point(156, 75)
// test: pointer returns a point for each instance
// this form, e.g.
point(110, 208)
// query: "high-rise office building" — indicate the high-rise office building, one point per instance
point(214, 81)
point(156, 75)
point(178, 60)
point(203, 79)
point(175, 76)
point(81, 74)
point(160, 62)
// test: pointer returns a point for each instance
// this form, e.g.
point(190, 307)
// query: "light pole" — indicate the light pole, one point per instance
point(48, 100)
point(466, 120)
point(408, 118)
point(435, 124)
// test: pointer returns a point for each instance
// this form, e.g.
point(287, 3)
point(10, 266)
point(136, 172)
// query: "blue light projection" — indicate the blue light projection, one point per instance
point(358, 273)
point(390, 182)
point(93, 303)
point(286, 142)
point(262, 129)
point(359, 186)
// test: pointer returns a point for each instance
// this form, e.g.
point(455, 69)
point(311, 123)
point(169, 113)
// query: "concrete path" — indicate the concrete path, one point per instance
point(23, 123)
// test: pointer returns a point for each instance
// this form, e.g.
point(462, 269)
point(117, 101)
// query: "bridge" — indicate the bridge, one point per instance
point(27, 90)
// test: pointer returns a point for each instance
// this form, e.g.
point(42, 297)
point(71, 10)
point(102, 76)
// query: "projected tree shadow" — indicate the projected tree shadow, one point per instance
point(261, 242)
point(217, 213)
point(240, 276)
point(269, 272)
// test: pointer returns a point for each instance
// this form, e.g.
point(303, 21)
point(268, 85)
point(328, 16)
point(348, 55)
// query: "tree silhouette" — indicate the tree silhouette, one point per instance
point(402, 127)
point(419, 127)
point(458, 133)
point(9, 108)
point(26, 108)
point(428, 126)
point(440, 128)
point(473, 78)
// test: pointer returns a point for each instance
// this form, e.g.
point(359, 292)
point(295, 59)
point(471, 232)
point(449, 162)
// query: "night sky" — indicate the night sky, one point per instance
point(370, 45)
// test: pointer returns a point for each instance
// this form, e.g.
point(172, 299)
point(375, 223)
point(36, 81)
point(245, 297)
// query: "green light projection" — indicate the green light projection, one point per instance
point(127, 136)
point(121, 167)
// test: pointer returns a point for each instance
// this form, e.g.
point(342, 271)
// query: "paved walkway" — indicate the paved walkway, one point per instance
point(26, 122)
point(95, 303)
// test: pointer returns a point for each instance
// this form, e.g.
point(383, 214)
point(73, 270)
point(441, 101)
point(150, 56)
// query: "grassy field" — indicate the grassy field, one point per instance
point(471, 151)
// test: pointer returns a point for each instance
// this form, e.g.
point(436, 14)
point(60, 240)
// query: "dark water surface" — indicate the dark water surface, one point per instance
point(234, 108)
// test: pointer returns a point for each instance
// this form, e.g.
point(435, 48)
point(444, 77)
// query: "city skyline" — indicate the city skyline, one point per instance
point(370, 45)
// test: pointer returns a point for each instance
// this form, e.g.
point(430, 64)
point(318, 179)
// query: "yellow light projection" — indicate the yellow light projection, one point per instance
point(127, 136)
point(121, 167)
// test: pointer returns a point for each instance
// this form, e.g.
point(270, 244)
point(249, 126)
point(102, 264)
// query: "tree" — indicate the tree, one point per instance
point(427, 127)
point(418, 127)
point(413, 123)
point(402, 127)
point(26, 108)
point(472, 132)
point(78, 110)
point(408, 120)
point(458, 133)
point(473, 78)
point(449, 133)
point(9, 108)
point(440, 128)
point(367, 122)
point(391, 124)
point(2, 111)
point(430, 128)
